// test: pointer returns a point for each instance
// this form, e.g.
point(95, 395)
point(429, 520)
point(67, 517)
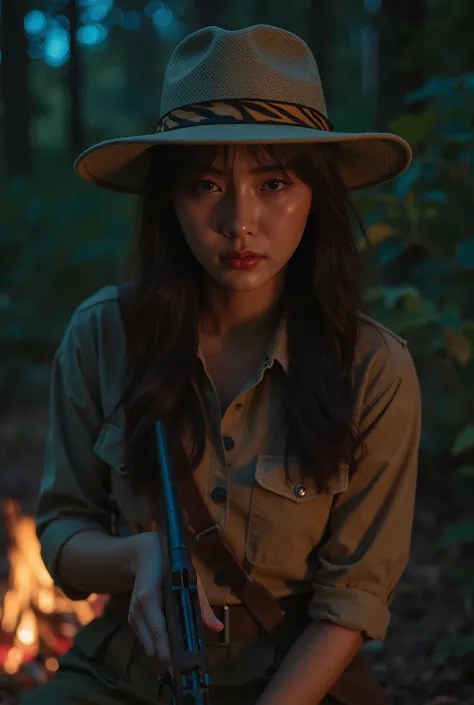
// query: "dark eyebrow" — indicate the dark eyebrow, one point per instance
point(262, 169)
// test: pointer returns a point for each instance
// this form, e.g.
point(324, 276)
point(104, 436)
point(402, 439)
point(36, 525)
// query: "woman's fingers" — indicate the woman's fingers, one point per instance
point(142, 633)
point(209, 619)
point(149, 623)
point(158, 629)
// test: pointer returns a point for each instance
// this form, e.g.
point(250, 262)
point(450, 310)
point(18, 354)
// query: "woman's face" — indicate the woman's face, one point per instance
point(242, 221)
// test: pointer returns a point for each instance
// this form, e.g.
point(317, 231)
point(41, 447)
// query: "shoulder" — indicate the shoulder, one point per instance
point(102, 302)
point(101, 308)
point(381, 358)
point(95, 321)
point(372, 335)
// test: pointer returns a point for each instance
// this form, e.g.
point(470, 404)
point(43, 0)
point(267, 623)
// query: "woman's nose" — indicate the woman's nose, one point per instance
point(238, 215)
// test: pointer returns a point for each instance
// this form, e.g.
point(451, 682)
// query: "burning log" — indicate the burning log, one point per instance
point(37, 621)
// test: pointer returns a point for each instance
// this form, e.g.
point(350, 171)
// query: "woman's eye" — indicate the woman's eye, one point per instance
point(205, 186)
point(276, 184)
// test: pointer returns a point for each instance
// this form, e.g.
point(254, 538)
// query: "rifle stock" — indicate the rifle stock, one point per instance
point(191, 682)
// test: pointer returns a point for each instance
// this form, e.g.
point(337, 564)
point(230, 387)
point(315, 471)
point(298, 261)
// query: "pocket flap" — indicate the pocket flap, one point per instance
point(270, 474)
point(109, 447)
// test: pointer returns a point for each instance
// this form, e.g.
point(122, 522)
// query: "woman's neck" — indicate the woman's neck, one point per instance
point(241, 313)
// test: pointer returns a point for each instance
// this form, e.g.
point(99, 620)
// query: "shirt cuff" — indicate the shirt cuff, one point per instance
point(52, 539)
point(350, 608)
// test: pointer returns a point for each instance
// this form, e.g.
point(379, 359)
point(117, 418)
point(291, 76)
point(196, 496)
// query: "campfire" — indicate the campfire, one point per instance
point(38, 622)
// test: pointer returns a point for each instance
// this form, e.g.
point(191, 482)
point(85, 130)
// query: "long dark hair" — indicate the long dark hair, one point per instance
point(322, 298)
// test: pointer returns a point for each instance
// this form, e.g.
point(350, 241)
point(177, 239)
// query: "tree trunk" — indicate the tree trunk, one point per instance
point(16, 147)
point(210, 12)
point(318, 36)
point(399, 23)
point(140, 54)
point(74, 83)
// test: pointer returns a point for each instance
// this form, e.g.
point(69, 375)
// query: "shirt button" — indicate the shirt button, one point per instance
point(219, 494)
point(228, 443)
point(238, 406)
point(300, 491)
point(221, 580)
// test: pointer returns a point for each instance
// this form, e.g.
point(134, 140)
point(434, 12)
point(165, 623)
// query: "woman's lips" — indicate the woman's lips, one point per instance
point(243, 260)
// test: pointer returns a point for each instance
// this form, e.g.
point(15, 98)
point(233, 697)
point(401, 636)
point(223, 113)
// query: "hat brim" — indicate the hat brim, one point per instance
point(364, 159)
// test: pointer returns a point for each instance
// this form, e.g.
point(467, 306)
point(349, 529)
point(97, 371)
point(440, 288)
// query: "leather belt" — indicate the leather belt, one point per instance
point(239, 625)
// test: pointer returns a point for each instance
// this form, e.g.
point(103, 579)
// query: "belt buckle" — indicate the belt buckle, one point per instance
point(223, 637)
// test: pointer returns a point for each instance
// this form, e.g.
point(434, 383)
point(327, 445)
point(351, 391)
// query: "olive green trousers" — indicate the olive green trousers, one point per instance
point(107, 666)
point(76, 683)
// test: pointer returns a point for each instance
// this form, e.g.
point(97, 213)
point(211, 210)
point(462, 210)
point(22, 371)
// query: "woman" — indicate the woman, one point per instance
point(298, 416)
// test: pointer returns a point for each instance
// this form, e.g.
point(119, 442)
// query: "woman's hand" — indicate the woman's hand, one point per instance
point(146, 613)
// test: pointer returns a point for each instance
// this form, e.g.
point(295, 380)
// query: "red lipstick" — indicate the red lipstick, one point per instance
point(242, 259)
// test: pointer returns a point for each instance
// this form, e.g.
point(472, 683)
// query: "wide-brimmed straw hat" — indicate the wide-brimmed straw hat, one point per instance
point(260, 84)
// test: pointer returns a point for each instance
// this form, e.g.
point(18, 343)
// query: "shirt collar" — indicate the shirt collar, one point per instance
point(278, 350)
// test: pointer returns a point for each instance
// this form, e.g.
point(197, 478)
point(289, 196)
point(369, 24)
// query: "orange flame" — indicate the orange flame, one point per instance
point(31, 592)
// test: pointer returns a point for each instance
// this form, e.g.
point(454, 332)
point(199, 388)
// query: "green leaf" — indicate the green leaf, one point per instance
point(451, 316)
point(464, 441)
point(465, 253)
point(468, 330)
point(392, 295)
point(458, 345)
point(389, 250)
point(379, 231)
point(414, 127)
point(457, 646)
point(404, 184)
point(416, 316)
point(434, 87)
point(459, 532)
point(434, 197)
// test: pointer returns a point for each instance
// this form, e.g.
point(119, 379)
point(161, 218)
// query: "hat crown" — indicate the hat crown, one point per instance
point(259, 62)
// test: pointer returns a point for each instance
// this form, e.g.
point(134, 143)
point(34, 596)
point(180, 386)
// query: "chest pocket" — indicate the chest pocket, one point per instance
point(133, 512)
point(287, 521)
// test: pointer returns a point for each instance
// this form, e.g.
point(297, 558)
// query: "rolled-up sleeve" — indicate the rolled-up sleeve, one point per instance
point(73, 494)
point(366, 547)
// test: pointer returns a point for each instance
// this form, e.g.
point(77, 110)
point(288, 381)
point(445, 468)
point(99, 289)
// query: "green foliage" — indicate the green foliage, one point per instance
point(421, 230)
point(60, 240)
point(464, 441)
point(459, 532)
point(423, 247)
point(456, 646)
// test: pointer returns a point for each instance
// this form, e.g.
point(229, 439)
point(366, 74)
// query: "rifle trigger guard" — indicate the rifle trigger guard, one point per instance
point(163, 680)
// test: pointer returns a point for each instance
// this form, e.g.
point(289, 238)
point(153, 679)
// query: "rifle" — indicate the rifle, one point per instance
point(190, 682)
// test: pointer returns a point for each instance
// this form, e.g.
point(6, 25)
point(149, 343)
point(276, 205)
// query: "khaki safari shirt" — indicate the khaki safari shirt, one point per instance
point(347, 548)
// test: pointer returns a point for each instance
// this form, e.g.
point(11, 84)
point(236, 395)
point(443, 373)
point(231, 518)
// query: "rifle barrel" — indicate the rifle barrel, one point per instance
point(192, 682)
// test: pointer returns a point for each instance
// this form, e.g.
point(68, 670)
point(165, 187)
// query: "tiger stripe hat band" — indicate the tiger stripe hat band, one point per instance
point(264, 112)
point(260, 84)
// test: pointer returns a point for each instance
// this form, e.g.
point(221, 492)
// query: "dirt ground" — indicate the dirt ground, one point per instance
point(428, 606)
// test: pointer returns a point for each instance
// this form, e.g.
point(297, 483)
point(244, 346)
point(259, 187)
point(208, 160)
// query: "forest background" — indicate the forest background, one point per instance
point(75, 72)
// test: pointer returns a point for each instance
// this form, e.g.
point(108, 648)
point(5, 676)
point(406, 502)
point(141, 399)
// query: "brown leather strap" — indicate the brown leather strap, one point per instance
point(241, 626)
point(356, 685)
point(257, 599)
